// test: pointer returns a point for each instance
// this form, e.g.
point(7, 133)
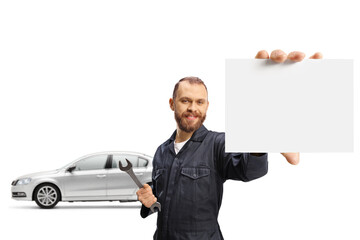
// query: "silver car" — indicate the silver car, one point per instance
point(94, 177)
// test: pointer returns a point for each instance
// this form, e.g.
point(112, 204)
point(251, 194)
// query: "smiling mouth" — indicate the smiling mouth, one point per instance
point(191, 117)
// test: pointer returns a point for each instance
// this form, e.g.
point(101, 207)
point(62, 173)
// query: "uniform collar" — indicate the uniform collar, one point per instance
point(198, 135)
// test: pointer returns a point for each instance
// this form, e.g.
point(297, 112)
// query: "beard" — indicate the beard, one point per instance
point(184, 124)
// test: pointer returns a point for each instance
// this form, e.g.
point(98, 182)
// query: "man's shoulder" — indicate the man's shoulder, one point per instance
point(218, 136)
point(166, 143)
point(216, 133)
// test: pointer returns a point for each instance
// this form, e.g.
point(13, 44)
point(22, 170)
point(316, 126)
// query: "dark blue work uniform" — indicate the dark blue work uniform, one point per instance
point(189, 185)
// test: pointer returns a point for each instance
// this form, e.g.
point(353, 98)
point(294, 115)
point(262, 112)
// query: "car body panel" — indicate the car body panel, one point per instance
point(87, 184)
point(120, 183)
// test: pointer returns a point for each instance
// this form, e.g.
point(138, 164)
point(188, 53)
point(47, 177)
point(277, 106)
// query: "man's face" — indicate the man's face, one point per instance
point(190, 106)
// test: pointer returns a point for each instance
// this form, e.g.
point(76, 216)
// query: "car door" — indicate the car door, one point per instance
point(88, 180)
point(120, 184)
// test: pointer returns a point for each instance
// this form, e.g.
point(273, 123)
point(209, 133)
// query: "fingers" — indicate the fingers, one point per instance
point(278, 56)
point(149, 201)
point(146, 196)
point(296, 56)
point(317, 55)
point(144, 192)
point(262, 55)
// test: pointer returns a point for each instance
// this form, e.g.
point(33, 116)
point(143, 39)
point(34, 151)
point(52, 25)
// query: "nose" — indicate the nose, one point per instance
point(192, 107)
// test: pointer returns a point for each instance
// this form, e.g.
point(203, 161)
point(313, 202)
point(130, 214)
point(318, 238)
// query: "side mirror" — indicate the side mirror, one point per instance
point(71, 168)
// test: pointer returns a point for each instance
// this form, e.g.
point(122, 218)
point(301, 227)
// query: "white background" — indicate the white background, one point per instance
point(78, 77)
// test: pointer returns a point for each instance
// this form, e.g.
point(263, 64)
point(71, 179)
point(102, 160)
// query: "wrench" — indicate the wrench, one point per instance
point(128, 169)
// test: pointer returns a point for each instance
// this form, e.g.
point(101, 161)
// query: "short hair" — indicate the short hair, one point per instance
point(191, 80)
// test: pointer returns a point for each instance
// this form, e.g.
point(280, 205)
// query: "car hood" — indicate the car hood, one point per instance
point(39, 174)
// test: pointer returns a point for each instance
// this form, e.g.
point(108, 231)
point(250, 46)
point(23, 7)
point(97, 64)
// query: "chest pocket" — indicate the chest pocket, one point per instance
point(195, 183)
point(158, 181)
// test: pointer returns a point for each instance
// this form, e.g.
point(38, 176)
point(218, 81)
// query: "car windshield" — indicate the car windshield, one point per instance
point(67, 165)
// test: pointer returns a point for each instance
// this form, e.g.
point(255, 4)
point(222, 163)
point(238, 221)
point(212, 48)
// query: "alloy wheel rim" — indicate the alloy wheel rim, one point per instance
point(47, 195)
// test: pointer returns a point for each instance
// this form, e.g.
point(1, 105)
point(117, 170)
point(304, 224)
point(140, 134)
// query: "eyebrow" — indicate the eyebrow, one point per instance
point(187, 98)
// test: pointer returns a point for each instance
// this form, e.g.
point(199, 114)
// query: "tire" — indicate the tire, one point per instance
point(46, 195)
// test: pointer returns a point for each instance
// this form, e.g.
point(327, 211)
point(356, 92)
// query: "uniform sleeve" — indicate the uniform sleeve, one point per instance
point(144, 212)
point(239, 166)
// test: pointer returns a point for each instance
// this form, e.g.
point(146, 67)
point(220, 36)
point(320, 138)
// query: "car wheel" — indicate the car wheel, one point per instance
point(47, 195)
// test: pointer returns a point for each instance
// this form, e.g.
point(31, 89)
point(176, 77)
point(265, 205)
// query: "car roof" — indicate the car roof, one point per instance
point(117, 152)
point(110, 152)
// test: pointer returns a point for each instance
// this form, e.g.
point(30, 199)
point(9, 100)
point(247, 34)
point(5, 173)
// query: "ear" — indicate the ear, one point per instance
point(171, 103)
point(207, 105)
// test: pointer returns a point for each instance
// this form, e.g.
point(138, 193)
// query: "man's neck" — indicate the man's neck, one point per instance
point(182, 136)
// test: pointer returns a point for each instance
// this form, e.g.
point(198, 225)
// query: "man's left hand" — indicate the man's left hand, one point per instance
point(280, 56)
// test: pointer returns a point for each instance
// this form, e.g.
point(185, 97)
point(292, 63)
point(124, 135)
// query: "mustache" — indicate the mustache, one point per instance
point(186, 114)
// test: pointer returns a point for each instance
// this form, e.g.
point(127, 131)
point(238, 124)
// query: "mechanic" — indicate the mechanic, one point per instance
point(189, 169)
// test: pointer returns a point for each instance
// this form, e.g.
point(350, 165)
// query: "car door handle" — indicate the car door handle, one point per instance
point(139, 174)
point(101, 176)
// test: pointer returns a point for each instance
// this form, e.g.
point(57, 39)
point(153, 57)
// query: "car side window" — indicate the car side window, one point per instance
point(91, 163)
point(132, 158)
point(143, 162)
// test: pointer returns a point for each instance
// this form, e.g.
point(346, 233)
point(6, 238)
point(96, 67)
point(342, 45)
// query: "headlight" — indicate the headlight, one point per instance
point(23, 181)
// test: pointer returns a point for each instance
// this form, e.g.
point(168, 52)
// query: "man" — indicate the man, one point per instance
point(189, 169)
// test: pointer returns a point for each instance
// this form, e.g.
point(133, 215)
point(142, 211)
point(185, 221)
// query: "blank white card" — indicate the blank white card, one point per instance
point(289, 107)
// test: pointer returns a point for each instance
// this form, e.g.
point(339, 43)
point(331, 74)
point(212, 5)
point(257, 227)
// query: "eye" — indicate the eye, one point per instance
point(184, 101)
point(200, 102)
